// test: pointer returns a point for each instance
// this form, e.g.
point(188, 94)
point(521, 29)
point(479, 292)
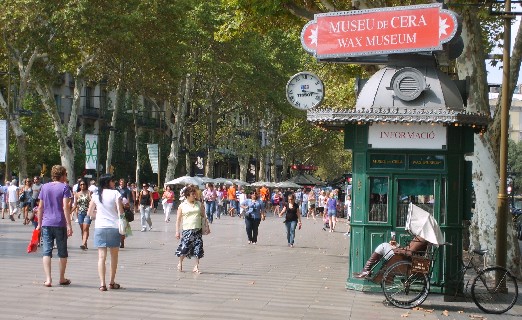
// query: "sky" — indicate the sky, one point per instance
point(494, 73)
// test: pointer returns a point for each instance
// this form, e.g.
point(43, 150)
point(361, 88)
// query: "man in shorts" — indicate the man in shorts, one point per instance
point(54, 219)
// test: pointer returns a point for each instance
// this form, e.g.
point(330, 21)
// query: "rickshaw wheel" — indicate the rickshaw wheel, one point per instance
point(404, 288)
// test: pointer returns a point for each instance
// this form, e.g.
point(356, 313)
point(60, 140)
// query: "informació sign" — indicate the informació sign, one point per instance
point(420, 28)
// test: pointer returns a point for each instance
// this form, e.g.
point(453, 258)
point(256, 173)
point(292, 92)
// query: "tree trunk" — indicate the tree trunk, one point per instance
point(64, 136)
point(486, 154)
point(243, 167)
point(209, 166)
point(138, 151)
point(112, 133)
point(176, 128)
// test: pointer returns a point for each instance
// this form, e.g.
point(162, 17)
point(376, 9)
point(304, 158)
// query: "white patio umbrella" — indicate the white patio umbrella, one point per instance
point(207, 179)
point(288, 184)
point(240, 182)
point(421, 223)
point(223, 181)
point(184, 180)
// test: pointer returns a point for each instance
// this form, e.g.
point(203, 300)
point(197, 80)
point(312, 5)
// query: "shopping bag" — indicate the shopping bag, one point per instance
point(122, 225)
point(35, 239)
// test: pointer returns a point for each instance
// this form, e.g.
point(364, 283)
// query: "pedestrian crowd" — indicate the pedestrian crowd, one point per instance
point(52, 207)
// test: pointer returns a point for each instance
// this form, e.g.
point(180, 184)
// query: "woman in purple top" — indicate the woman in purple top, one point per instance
point(331, 206)
point(54, 219)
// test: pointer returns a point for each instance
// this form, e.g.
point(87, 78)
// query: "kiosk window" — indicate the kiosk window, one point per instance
point(417, 191)
point(378, 199)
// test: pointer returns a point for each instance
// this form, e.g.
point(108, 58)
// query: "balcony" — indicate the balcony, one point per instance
point(90, 112)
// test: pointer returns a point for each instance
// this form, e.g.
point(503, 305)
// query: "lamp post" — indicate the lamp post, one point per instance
point(502, 198)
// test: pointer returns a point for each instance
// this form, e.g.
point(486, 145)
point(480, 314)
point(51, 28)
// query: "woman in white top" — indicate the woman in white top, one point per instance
point(108, 206)
point(190, 216)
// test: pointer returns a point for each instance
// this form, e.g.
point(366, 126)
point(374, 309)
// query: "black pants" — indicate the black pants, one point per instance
point(252, 227)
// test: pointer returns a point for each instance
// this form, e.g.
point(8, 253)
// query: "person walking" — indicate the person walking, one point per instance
point(311, 204)
point(292, 218)
point(82, 198)
point(126, 196)
point(54, 221)
point(190, 216)
point(12, 198)
point(331, 207)
point(210, 196)
point(106, 208)
point(37, 185)
point(232, 200)
point(167, 202)
point(220, 201)
point(25, 196)
point(3, 199)
point(146, 205)
point(304, 202)
point(155, 198)
point(252, 208)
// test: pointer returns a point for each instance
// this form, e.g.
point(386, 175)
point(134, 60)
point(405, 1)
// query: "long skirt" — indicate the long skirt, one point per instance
point(191, 244)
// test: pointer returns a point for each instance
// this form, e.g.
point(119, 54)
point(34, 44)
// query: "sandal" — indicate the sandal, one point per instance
point(47, 284)
point(103, 288)
point(196, 270)
point(114, 286)
point(66, 282)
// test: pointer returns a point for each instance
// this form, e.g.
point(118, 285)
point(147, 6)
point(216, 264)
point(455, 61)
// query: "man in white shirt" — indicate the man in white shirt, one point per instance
point(93, 189)
point(12, 198)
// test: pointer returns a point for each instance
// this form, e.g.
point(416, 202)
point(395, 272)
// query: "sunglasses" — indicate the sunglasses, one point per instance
point(82, 184)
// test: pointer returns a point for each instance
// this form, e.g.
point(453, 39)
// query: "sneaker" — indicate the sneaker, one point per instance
point(143, 229)
point(347, 234)
point(150, 228)
point(11, 217)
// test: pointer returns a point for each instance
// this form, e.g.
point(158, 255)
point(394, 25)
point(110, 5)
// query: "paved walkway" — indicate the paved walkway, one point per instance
point(239, 281)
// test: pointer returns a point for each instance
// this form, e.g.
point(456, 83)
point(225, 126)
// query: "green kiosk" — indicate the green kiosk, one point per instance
point(409, 132)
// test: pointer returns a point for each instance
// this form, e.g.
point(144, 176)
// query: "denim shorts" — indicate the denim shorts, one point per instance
point(49, 235)
point(83, 218)
point(332, 213)
point(107, 238)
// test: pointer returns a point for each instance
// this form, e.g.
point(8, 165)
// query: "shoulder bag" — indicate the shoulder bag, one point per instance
point(205, 228)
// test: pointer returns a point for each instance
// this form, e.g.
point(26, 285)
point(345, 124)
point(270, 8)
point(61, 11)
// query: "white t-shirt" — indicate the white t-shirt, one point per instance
point(93, 189)
point(12, 192)
point(107, 211)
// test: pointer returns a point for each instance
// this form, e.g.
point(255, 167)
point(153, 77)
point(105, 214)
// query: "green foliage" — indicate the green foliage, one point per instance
point(39, 140)
point(515, 163)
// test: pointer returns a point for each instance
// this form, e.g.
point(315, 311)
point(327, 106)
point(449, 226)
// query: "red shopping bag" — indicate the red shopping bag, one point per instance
point(33, 245)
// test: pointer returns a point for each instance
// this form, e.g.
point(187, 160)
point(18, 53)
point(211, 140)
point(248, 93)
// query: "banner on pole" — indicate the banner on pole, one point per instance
point(3, 140)
point(91, 151)
point(153, 156)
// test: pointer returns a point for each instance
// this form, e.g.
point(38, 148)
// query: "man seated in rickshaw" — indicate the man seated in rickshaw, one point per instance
point(390, 249)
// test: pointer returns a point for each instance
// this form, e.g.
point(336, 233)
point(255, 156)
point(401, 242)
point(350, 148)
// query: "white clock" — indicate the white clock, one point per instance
point(305, 90)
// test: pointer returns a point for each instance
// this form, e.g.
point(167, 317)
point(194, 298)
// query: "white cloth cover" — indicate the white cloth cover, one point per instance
point(421, 223)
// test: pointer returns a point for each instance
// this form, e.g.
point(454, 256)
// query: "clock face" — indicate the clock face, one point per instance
point(305, 91)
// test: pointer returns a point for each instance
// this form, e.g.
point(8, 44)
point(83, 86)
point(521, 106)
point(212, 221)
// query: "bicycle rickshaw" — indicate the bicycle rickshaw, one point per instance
point(405, 277)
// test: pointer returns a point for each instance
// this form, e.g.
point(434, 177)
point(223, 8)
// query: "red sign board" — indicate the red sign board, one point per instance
point(379, 31)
